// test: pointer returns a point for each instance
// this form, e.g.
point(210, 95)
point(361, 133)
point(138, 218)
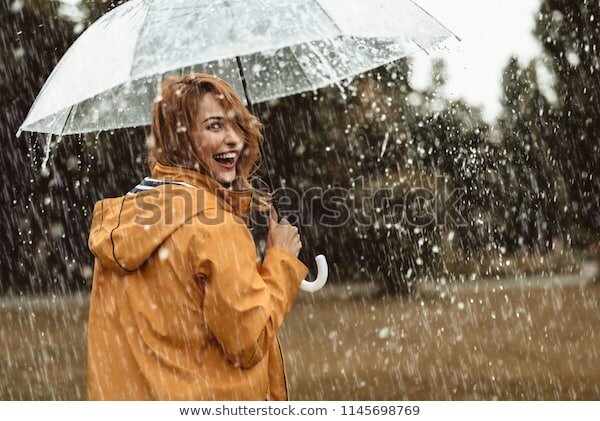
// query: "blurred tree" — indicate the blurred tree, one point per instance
point(570, 36)
point(535, 194)
point(352, 137)
point(379, 133)
point(47, 213)
point(454, 140)
point(375, 131)
point(32, 40)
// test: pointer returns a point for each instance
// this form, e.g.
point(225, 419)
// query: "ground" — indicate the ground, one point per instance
point(477, 341)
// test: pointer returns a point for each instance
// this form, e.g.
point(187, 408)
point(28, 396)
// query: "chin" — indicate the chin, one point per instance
point(226, 180)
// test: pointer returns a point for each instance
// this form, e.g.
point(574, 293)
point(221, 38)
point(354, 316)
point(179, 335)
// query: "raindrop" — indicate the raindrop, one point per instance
point(257, 68)
point(19, 52)
point(16, 6)
point(163, 254)
point(86, 272)
point(56, 230)
point(384, 333)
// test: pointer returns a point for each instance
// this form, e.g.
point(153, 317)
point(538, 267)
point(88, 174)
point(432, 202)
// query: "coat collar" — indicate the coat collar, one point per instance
point(236, 201)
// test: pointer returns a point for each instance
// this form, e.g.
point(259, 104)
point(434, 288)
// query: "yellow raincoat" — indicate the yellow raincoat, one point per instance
point(180, 307)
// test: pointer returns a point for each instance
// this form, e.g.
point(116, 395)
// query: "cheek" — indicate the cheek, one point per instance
point(206, 148)
point(204, 153)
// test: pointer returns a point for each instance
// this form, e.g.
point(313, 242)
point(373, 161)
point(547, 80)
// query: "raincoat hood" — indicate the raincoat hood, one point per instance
point(126, 231)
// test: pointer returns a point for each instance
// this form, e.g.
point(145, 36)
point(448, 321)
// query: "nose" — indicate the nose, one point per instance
point(233, 137)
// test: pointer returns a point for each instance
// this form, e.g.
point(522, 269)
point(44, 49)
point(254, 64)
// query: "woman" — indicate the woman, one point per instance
point(180, 307)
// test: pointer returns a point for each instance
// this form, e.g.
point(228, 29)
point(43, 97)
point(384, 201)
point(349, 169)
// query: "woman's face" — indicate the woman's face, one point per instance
point(219, 140)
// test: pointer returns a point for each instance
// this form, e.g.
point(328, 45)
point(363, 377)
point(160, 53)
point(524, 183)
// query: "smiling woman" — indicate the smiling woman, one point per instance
point(209, 120)
point(180, 309)
point(220, 141)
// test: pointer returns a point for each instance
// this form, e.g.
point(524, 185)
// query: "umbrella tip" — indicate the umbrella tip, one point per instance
point(19, 133)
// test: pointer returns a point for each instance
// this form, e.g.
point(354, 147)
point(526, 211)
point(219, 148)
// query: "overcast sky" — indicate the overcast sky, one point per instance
point(491, 31)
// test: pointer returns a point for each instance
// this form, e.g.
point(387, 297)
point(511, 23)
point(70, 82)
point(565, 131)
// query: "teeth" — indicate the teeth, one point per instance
point(229, 155)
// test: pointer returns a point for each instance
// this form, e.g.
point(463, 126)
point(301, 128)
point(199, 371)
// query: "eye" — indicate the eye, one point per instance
point(215, 126)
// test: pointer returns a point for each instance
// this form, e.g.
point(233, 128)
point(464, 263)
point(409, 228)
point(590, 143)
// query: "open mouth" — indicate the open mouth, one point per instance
point(226, 160)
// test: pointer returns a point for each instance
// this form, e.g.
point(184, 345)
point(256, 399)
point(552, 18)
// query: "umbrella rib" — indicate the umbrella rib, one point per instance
point(435, 19)
point(300, 66)
point(62, 131)
point(419, 45)
point(329, 16)
point(138, 38)
point(182, 15)
point(192, 10)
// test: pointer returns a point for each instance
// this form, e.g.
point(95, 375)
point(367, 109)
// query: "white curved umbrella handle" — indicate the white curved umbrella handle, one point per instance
point(322, 273)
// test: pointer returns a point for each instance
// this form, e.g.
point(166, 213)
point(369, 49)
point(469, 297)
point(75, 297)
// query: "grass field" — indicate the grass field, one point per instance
point(472, 342)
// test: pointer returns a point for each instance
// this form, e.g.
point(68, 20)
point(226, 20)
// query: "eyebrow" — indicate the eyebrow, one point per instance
point(214, 117)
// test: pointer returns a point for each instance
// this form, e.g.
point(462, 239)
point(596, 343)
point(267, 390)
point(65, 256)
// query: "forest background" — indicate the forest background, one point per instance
point(528, 183)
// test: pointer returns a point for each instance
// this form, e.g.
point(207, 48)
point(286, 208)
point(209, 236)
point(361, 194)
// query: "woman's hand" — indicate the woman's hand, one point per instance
point(283, 235)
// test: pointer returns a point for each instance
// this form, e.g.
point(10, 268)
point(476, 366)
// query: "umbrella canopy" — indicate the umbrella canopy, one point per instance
point(265, 48)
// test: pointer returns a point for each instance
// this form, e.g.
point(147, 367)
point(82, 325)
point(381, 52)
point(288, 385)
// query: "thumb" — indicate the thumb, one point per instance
point(284, 221)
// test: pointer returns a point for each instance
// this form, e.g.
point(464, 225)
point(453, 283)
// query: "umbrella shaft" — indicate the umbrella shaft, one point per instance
point(251, 107)
point(244, 84)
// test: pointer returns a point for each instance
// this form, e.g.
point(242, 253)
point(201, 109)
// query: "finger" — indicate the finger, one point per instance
point(284, 221)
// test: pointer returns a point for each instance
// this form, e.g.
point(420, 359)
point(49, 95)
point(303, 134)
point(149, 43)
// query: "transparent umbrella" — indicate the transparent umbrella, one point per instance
point(265, 48)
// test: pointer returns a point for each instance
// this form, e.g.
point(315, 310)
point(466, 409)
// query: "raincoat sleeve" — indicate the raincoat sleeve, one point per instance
point(244, 303)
